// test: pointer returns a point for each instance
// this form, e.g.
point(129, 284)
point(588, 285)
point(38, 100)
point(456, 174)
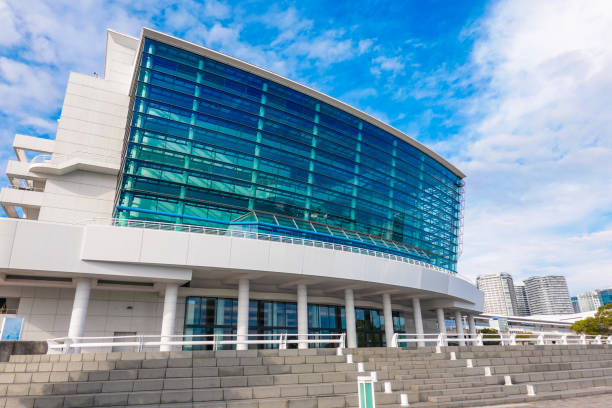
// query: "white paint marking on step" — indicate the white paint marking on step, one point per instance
point(530, 390)
point(453, 355)
point(360, 367)
point(349, 359)
point(507, 380)
point(487, 371)
point(388, 387)
point(404, 400)
point(469, 363)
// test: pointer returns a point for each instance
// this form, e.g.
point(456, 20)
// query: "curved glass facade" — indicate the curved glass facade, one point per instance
point(210, 144)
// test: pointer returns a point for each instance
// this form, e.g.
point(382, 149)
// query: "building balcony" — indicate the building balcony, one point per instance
point(28, 199)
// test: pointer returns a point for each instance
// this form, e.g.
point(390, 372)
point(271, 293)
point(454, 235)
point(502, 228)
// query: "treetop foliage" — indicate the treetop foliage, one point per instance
point(601, 323)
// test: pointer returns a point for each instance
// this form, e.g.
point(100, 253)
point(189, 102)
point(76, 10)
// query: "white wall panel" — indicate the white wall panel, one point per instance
point(250, 254)
point(286, 257)
point(7, 236)
point(209, 250)
point(164, 247)
point(104, 243)
point(46, 247)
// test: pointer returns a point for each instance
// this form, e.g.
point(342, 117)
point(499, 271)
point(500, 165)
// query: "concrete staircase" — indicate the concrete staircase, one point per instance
point(304, 378)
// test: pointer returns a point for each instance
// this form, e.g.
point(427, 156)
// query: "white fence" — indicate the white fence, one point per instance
point(64, 345)
point(503, 339)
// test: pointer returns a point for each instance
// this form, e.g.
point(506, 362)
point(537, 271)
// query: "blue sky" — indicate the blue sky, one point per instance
point(515, 93)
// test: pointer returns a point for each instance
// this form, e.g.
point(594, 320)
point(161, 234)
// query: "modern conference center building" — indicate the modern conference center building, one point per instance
point(188, 192)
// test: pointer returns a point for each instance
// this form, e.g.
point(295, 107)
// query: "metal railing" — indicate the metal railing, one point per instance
point(64, 345)
point(199, 229)
point(23, 188)
point(502, 339)
point(57, 158)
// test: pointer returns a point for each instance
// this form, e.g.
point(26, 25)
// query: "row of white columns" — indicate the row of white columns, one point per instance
point(81, 302)
point(83, 288)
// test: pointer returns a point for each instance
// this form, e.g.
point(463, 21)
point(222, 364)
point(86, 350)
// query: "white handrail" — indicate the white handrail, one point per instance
point(64, 345)
point(199, 229)
point(504, 339)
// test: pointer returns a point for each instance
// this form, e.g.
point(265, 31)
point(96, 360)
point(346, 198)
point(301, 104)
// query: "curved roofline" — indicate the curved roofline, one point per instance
point(245, 66)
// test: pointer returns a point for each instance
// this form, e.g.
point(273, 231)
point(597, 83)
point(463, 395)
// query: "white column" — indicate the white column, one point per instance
point(459, 324)
point(79, 308)
point(388, 317)
point(169, 316)
point(349, 314)
point(441, 320)
point(302, 315)
point(472, 324)
point(418, 320)
point(242, 329)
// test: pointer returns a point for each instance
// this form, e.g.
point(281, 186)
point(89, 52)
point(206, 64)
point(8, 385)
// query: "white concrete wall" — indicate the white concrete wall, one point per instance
point(168, 255)
point(76, 196)
point(120, 57)
point(48, 248)
point(46, 311)
point(105, 243)
point(91, 128)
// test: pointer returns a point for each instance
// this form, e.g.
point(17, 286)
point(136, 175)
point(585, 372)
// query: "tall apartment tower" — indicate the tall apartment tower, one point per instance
point(548, 295)
point(500, 297)
point(575, 304)
point(521, 299)
point(589, 301)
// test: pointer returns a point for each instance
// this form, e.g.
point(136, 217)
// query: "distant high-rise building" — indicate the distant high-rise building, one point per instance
point(500, 297)
point(521, 299)
point(589, 301)
point(605, 296)
point(548, 295)
point(575, 304)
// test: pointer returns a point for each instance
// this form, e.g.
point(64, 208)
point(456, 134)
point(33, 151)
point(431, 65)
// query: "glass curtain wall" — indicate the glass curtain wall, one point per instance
point(218, 316)
point(209, 142)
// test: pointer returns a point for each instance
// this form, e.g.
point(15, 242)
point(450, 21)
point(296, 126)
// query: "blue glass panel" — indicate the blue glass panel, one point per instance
point(210, 142)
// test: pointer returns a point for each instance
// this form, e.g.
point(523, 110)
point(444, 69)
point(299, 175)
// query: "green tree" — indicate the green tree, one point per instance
point(601, 323)
point(490, 334)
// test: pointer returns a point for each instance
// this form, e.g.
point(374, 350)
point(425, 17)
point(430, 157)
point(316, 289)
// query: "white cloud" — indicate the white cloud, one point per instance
point(327, 48)
point(365, 45)
point(24, 88)
point(8, 31)
point(358, 94)
point(288, 22)
point(390, 64)
point(216, 9)
point(538, 151)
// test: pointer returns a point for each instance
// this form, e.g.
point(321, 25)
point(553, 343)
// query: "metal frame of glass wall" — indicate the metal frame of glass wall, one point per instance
point(209, 142)
point(210, 315)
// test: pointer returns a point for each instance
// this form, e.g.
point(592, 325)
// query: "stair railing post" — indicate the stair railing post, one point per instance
point(394, 340)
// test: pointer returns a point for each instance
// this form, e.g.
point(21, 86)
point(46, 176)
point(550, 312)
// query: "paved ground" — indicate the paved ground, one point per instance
point(596, 401)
